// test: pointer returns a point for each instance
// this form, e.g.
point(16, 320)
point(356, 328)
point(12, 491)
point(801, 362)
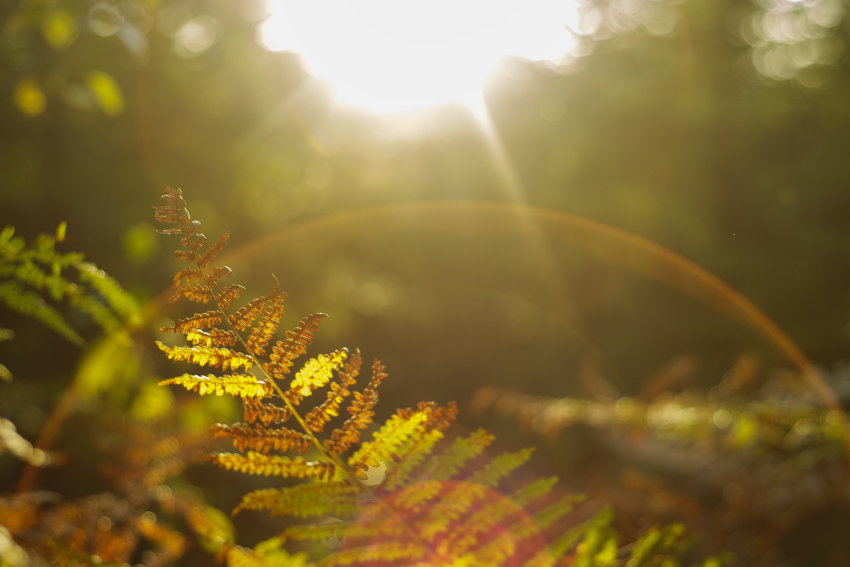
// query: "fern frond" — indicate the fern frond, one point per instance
point(387, 439)
point(551, 555)
point(470, 532)
point(500, 467)
point(415, 450)
point(245, 386)
point(339, 390)
point(218, 273)
point(228, 294)
point(414, 496)
point(261, 439)
point(208, 356)
point(244, 317)
point(215, 337)
point(267, 327)
point(296, 343)
point(196, 293)
point(266, 413)
point(118, 299)
point(462, 450)
point(361, 412)
point(189, 274)
point(32, 305)
point(337, 498)
point(353, 530)
point(211, 252)
point(379, 552)
point(197, 321)
point(272, 465)
point(98, 311)
point(315, 373)
point(265, 554)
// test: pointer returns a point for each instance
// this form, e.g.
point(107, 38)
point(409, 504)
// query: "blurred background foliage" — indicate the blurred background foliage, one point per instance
point(718, 130)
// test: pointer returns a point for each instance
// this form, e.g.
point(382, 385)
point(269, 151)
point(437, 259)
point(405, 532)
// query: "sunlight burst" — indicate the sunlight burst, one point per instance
point(390, 56)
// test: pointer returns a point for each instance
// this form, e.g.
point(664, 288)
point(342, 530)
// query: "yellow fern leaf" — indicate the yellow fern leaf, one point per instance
point(314, 374)
point(215, 337)
point(208, 356)
point(272, 465)
point(387, 439)
point(337, 393)
point(239, 385)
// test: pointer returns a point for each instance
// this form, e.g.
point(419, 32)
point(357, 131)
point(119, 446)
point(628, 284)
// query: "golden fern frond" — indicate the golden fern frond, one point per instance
point(228, 294)
point(337, 498)
point(218, 273)
point(189, 274)
point(224, 358)
point(297, 340)
point(361, 412)
point(401, 427)
point(262, 333)
point(197, 321)
point(339, 390)
point(196, 293)
point(261, 439)
point(211, 252)
point(238, 385)
point(415, 450)
point(215, 337)
point(244, 317)
point(272, 465)
point(315, 374)
point(266, 413)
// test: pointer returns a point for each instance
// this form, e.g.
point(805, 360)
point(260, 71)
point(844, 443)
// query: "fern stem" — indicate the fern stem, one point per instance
point(330, 456)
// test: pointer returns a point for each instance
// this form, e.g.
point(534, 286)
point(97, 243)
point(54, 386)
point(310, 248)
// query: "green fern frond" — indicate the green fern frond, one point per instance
point(500, 467)
point(377, 553)
point(32, 305)
point(28, 274)
point(118, 299)
point(335, 498)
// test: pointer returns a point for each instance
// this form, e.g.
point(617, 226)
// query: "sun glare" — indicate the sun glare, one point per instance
point(392, 56)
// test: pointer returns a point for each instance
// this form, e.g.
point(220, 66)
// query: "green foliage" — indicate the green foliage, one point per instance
point(29, 275)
